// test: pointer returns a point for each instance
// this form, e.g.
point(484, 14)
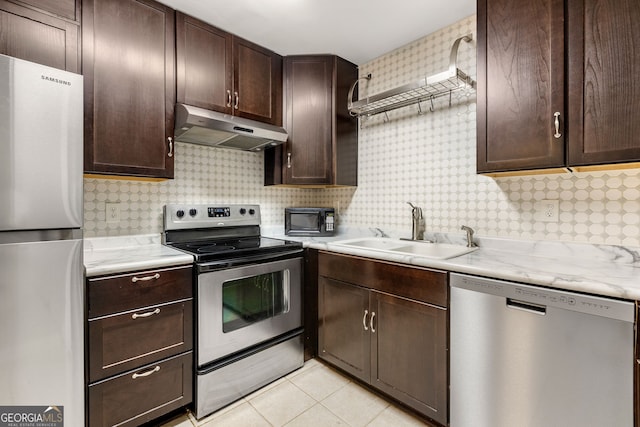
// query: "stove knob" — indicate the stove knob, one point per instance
point(193, 212)
point(243, 211)
point(180, 213)
point(252, 211)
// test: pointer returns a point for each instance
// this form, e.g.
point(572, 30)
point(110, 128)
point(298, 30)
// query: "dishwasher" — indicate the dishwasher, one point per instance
point(525, 356)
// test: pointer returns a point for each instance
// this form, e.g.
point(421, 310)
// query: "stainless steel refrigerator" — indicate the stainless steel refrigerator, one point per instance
point(41, 271)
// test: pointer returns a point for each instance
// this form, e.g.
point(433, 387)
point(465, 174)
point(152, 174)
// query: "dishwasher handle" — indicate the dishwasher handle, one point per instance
point(526, 306)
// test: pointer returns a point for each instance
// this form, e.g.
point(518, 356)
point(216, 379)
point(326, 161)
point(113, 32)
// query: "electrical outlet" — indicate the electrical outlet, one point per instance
point(112, 212)
point(547, 211)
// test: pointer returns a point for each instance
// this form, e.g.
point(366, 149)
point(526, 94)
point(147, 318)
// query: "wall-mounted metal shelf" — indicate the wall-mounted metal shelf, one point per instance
point(424, 90)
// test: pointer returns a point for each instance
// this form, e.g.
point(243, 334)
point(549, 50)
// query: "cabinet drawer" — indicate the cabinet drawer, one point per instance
point(420, 284)
point(125, 341)
point(142, 395)
point(113, 294)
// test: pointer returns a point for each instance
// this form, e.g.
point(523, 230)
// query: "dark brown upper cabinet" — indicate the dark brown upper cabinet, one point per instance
point(222, 72)
point(604, 90)
point(37, 36)
point(322, 149)
point(520, 84)
point(69, 9)
point(553, 91)
point(129, 74)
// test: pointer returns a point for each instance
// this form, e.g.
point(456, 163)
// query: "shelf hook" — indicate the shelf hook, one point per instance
point(432, 108)
point(419, 109)
point(350, 95)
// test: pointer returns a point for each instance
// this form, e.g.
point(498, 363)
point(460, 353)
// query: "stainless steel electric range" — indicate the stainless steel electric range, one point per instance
point(248, 292)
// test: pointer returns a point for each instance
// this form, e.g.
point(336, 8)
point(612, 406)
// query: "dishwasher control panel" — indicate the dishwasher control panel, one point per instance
point(538, 298)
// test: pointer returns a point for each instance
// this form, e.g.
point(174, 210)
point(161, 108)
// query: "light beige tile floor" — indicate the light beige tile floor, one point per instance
point(313, 396)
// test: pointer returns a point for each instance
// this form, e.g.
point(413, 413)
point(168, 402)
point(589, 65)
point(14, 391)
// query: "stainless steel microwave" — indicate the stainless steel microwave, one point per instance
point(309, 221)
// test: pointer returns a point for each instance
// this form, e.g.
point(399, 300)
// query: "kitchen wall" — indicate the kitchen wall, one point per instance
point(202, 175)
point(428, 159)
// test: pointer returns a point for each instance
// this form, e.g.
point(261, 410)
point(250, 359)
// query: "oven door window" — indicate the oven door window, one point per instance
point(253, 299)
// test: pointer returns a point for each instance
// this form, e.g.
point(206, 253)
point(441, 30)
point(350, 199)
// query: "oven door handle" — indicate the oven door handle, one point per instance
point(232, 262)
point(287, 290)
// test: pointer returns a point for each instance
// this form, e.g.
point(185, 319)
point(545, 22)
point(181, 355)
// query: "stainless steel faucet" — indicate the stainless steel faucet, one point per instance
point(417, 230)
point(470, 242)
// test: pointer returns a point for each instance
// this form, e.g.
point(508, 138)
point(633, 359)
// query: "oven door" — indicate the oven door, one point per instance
point(244, 306)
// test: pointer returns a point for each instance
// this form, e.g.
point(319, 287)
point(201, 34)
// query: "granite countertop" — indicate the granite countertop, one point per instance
point(604, 270)
point(109, 255)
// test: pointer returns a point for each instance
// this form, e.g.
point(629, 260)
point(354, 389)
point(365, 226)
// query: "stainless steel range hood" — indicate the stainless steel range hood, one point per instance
point(205, 127)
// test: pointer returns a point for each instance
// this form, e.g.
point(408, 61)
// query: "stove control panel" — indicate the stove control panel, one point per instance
point(221, 212)
point(181, 217)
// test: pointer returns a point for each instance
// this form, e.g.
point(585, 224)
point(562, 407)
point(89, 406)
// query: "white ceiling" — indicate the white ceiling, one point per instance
point(357, 30)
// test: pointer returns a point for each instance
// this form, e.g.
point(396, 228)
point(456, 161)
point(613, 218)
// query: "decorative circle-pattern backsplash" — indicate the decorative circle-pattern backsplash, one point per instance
point(428, 159)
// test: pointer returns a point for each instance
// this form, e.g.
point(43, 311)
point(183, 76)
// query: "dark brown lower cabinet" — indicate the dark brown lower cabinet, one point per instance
point(140, 342)
point(342, 337)
point(395, 343)
point(135, 397)
point(409, 353)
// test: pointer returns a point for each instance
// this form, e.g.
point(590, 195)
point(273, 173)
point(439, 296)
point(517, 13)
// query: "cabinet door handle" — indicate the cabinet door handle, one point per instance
point(170, 154)
point(228, 98)
point(373, 314)
point(147, 314)
point(556, 123)
point(145, 279)
point(364, 320)
point(288, 160)
point(145, 374)
point(235, 105)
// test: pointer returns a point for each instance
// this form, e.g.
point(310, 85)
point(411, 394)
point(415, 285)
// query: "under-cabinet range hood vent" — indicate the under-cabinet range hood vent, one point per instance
point(205, 127)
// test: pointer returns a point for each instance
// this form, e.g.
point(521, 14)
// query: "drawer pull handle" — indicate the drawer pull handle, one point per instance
point(150, 313)
point(145, 374)
point(364, 320)
point(145, 279)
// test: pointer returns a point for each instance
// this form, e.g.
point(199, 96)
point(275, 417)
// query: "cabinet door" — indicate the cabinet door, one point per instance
point(343, 328)
point(257, 82)
point(520, 84)
point(204, 65)
point(128, 64)
point(64, 8)
point(308, 120)
point(409, 352)
point(604, 90)
point(38, 37)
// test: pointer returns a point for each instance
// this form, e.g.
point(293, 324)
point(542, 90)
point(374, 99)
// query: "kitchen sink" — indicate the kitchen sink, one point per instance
point(406, 247)
point(373, 243)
